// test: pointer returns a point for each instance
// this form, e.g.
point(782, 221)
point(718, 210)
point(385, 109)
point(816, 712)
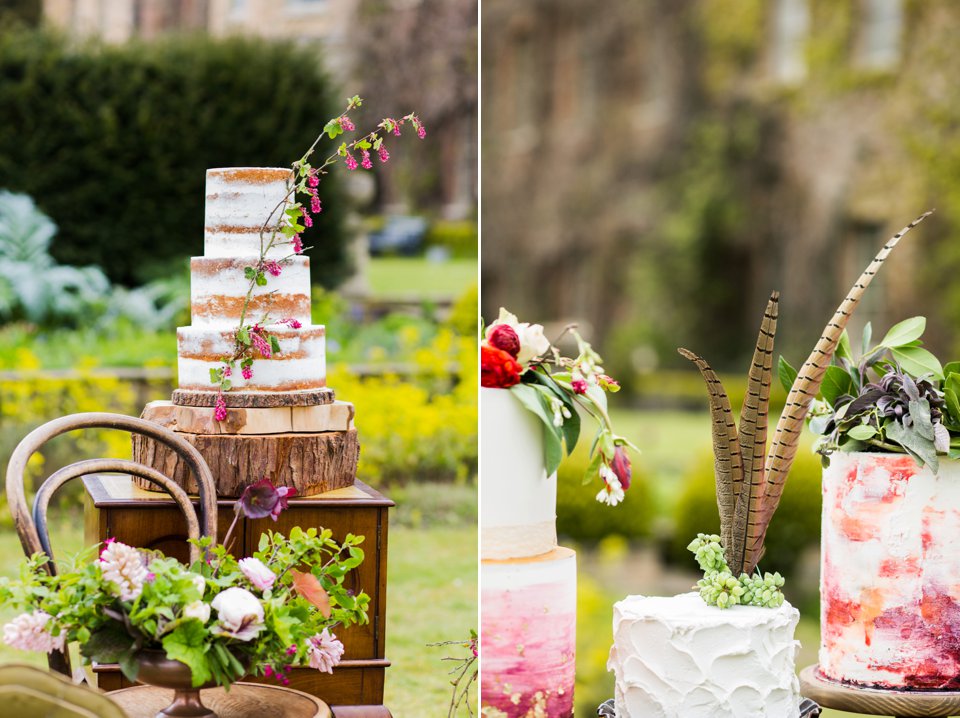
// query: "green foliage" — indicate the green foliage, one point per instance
point(119, 163)
point(795, 527)
point(720, 588)
point(460, 238)
point(582, 518)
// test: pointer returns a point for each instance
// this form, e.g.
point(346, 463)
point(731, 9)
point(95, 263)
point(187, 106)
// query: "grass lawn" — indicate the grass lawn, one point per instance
point(432, 597)
point(404, 277)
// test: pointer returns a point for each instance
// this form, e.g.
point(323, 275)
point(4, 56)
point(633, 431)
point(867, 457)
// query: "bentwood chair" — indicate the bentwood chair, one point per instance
point(31, 524)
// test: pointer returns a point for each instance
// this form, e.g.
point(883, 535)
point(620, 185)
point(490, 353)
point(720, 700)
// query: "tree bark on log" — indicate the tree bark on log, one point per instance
point(311, 463)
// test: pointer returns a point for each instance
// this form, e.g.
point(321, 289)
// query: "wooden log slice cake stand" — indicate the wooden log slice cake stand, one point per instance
point(877, 701)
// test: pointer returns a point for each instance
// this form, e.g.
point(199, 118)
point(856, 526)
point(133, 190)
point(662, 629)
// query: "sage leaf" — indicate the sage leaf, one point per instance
point(917, 361)
point(862, 432)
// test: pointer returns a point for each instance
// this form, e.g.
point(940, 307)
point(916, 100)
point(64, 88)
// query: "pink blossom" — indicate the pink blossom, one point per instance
point(324, 651)
point(227, 371)
point(29, 632)
point(297, 244)
point(268, 672)
point(315, 205)
point(263, 499)
point(247, 372)
point(291, 322)
point(421, 130)
point(579, 385)
point(220, 408)
point(307, 219)
point(257, 573)
point(284, 494)
point(260, 344)
point(345, 124)
point(396, 128)
point(351, 162)
point(314, 179)
point(384, 155)
point(366, 163)
point(273, 268)
point(292, 650)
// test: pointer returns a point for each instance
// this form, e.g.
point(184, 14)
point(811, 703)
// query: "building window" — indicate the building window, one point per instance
point(881, 34)
point(791, 26)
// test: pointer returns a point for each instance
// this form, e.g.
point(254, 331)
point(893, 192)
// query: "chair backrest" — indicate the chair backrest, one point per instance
point(31, 525)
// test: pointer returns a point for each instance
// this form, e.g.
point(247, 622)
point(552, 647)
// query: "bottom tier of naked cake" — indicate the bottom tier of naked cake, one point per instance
point(528, 632)
point(680, 658)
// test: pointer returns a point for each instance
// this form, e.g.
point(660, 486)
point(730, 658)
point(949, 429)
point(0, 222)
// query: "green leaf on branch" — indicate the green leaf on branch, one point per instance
point(243, 336)
point(904, 332)
point(917, 361)
point(593, 468)
point(333, 129)
point(786, 373)
point(836, 383)
point(186, 644)
point(844, 350)
point(862, 432)
point(249, 272)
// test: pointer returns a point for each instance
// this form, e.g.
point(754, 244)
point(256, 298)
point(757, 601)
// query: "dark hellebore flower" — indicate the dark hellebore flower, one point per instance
point(263, 499)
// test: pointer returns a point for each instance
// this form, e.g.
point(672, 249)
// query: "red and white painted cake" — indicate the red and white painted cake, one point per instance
point(240, 202)
point(890, 572)
point(529, 585)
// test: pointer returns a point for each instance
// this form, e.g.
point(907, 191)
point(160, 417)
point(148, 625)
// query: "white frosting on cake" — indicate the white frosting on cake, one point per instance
point(528, 634)
point(517, 498)
point(889, 586)
point(239, 201)
point(680, 658)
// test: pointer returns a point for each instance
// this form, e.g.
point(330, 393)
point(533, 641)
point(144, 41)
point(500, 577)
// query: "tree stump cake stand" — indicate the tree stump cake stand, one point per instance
point(877, 701)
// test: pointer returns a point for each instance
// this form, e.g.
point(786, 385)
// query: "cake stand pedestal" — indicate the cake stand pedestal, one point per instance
point(877, 701)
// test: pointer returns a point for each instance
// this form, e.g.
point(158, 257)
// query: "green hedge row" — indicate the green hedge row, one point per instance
point(113, 141)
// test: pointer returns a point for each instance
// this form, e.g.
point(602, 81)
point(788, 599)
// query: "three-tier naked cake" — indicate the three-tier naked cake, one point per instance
point(244, 206)
point(281, 420)
point(529, 584)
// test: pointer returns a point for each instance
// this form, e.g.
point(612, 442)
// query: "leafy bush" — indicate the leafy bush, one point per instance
point(582, 518)
point(113, 140)
point(460, 238)
point(794, 527)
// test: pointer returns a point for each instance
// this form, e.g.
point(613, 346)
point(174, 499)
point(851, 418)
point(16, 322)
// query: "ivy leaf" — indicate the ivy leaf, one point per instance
point(836, 383)
point(917, 361)
point(186, 643)
point(786, 373)
point(533, 400)
point(308, 586)
point(904, 332)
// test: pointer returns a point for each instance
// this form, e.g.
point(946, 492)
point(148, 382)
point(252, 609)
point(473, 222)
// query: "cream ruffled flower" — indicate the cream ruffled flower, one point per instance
point(28, 632)
point(532, 341)
point(198, 610)
point(240, 613)
point(122, 566)
point(324, 651)
point(612, 491)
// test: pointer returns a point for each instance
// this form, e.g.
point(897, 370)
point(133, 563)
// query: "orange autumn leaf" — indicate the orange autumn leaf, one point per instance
point(308, 586)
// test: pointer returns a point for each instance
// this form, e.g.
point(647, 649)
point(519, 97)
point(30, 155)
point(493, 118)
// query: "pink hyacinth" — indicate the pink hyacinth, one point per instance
point(122, 566)
point(247, 372)
point(291, 322)
point(307, 219)
point(273, 268)
point(384, 155)
point(29, 632)
point(314, 179)
point(351, 162)
point(315, 205)
point(346, 125)
point(260, 344)
point(297, 244)
point(324, 651)
point(220, 408)
point(366, 163)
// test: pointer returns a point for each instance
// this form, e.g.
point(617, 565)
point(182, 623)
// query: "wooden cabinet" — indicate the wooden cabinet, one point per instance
point(115, 507)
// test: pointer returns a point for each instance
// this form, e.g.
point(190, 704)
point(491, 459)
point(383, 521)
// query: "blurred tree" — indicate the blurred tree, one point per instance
point(27, 12)
point(422, 56)
point(113, 141)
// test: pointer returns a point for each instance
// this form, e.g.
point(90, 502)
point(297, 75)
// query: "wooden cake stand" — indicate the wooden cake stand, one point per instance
point(877, 701)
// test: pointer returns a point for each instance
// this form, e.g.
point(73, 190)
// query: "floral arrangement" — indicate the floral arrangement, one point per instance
point(517, 356)
point(222, 617)
point(253, 338)
point(464, 672)
point(749, 477)
point(896, 397)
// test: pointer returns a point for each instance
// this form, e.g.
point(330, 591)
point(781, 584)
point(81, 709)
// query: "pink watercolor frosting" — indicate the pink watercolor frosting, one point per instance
point(890, 572)
point(528, 636)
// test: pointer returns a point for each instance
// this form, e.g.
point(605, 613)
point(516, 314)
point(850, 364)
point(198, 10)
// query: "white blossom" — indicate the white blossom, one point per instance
point(532, 341)
point(122, 566)
point(198, 610)
point(612, 491)
point(240, 613)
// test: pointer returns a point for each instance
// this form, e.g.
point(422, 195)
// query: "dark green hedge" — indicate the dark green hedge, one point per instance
point(113, 141)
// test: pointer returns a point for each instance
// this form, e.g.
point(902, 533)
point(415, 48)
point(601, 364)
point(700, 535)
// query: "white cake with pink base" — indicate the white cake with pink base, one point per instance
point(680, 658)
point(529, 584)
point(890, 572)
point(238, 203)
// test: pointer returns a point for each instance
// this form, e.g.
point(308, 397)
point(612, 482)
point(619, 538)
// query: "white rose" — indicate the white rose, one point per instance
point(240, 613)
point(532, 341)
point(198, 610)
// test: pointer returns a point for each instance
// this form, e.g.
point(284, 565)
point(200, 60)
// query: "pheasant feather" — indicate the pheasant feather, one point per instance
point(726, 453)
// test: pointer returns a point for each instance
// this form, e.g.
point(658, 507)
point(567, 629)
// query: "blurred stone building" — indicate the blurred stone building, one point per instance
point(655, 168)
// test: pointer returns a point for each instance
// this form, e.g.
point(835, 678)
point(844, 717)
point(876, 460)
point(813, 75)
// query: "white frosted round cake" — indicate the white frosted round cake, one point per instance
point(890, 572)
point(238, 203)
point(517, 499)
point(680, 658)
point(528, 627)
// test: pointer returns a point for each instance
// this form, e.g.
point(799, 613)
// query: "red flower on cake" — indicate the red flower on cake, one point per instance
point(498, 370)
point(504, 337)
